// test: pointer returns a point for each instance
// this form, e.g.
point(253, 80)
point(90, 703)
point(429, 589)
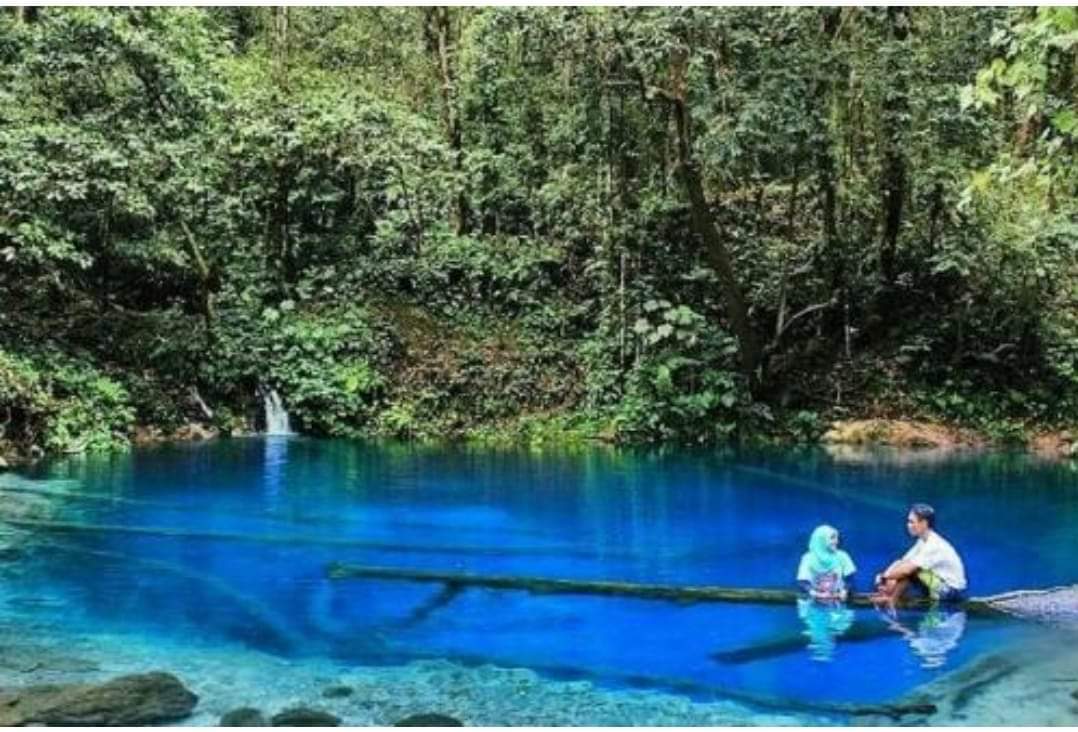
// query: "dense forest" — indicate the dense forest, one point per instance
point(694, 224)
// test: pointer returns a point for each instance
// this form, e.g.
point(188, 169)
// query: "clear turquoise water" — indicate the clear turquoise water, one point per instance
point(254, 522)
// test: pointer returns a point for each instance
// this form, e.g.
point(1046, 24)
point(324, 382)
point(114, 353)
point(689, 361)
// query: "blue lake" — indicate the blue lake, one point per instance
point(230, 540)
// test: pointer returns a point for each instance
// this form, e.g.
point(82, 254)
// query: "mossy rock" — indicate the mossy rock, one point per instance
point(304, 717)
point(430, 719)
point(134, 700)
point(244, 717)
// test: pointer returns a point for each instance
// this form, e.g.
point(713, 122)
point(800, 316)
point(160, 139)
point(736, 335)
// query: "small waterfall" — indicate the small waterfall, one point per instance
point(276, 415)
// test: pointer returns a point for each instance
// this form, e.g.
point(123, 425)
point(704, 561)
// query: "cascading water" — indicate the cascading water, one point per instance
point(276, 415)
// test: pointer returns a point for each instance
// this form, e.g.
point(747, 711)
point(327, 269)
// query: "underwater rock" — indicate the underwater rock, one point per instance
point(431, 719)
point(11, 544)
point(951, 693)
point(338, 691)
point(34, 659)
point(136, 699)
point(243, 717)
point(304, 717)
point(21, 506)
point(872, 720)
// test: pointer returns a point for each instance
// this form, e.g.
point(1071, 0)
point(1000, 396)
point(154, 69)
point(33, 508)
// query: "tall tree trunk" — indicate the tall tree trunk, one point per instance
point(280, 48)
point(822, 97)
point(205, 277)
point(282, 256)
point(441, 43)
point(715, 250)
point(894, 122)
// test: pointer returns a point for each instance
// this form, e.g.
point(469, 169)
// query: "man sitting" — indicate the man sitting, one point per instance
point(931, 566)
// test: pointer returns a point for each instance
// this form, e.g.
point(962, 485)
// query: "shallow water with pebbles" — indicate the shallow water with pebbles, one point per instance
point(225, 678)
point(1034, 687)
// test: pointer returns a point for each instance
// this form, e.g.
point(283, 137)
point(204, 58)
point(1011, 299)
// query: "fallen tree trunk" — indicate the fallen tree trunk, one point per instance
point(673, 593)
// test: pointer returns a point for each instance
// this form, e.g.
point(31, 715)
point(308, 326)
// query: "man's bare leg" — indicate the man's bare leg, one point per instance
point(889, 592)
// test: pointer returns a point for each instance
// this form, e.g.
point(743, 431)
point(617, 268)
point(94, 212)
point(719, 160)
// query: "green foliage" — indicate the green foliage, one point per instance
point(685, 386)
point(93, 411)
point(482, 227)
point(538, 431)
point(328, 365)
point(25, 401)
point(805, 426)
point(62, 403)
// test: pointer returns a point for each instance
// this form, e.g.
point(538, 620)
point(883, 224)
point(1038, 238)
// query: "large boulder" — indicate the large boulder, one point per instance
point(304, 717)
point(137, 699)
point(430, 719)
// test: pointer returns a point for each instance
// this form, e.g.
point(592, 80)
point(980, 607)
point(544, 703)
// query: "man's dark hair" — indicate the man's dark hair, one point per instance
point(924, 512)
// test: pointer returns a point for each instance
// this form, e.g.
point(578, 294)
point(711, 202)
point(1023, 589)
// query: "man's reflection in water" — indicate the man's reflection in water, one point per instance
point(937, 634)
point(824, 623)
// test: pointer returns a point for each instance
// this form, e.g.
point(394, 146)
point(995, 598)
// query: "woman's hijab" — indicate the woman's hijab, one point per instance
point(824, 558)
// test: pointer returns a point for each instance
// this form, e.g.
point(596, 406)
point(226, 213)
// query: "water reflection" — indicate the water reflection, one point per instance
point(824, 623)
point(936, 634)
point(275, 461)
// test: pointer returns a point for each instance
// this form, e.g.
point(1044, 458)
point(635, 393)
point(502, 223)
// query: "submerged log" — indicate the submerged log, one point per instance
point(673, 593)
point(77, 527)
point(796, 643)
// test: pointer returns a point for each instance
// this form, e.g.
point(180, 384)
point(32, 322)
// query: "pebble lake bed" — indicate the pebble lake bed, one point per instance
point(1040, 688)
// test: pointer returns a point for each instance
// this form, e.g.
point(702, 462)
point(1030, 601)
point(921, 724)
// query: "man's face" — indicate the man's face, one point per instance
point(915, 525)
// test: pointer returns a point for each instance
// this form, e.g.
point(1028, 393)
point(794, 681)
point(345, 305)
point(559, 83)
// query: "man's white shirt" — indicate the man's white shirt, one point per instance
point(934, 553)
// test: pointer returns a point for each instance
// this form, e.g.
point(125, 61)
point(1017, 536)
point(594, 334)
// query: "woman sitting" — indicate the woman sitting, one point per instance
point(826, 572)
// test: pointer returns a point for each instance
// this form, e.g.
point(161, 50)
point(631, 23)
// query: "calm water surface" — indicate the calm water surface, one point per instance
point(230, 541)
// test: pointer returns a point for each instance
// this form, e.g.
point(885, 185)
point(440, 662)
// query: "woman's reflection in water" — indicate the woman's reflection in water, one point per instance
point(824, 623)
